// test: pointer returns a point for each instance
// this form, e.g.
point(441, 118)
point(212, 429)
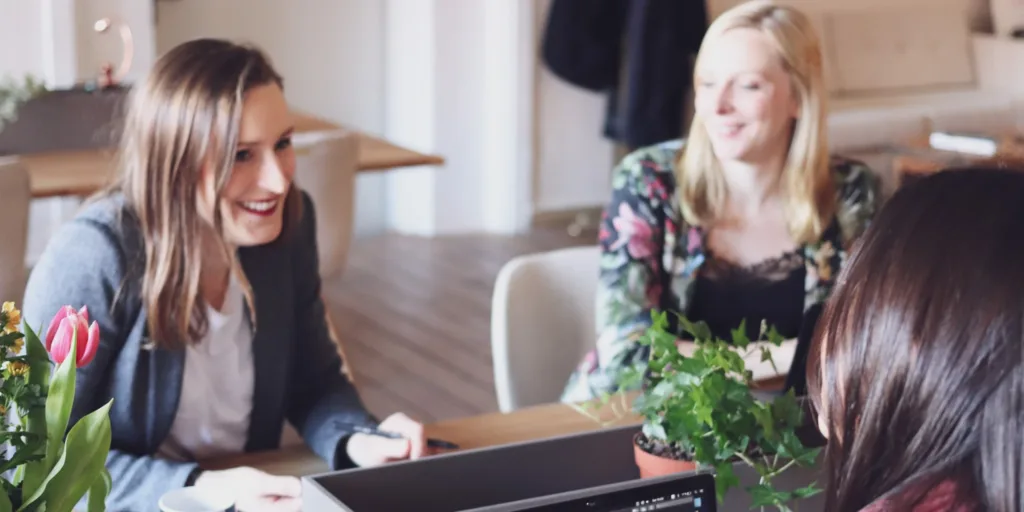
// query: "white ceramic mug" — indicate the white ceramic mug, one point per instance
point(191, 499)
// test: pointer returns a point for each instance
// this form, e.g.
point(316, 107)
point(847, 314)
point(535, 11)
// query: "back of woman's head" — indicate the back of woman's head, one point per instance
point(916, 367)
point(183, 121)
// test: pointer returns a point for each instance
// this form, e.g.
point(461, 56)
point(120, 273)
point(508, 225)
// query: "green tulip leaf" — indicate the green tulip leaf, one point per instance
point(80, 464)
point(5, 503)
point(98, 492)
point(58, 405)
point(36, 471)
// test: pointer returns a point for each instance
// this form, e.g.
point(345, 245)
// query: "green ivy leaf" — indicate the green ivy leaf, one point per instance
point(739, 335)
point(654, 431)
point(763, 416)
point(692, 368)
point(807, 492)
point(764, 495)
point(699, 330)
point(786, 410)
point(807, 456)
point(725, 479)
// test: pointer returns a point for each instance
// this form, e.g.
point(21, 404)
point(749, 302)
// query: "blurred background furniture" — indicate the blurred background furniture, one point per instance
point(14, 208)
point(542, 323)
point(325, 168)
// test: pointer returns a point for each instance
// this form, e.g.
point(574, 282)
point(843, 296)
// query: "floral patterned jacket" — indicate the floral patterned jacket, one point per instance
point(650, 257)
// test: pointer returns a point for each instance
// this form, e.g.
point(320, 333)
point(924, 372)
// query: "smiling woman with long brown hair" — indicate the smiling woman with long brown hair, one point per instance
point(916, 369)
point(200, 266)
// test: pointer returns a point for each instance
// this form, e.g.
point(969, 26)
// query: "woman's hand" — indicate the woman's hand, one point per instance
point(366, 450)
point(686, 347)
point(254, 490)
point(782, 356)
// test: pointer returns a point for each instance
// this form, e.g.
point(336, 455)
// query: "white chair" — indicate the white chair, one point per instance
point(15, 197)
point(326, 168)
point(542, 323)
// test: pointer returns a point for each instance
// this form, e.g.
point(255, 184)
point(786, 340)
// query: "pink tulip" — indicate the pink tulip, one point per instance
point(67, 323)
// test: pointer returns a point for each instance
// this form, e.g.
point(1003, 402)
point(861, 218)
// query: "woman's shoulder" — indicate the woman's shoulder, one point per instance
point(941, 498)
point(858, 194)
point(657, 159)
point(85, 262)
point(103, 229)
point(649, 170)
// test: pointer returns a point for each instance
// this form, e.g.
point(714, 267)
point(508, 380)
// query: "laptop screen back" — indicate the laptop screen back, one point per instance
point(690, 493)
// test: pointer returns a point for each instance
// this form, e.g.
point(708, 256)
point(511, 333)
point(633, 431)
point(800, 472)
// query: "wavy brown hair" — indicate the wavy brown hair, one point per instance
point(916, 368)
point(183, 117)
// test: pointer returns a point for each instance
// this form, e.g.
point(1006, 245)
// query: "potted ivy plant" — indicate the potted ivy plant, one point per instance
point(702, 412)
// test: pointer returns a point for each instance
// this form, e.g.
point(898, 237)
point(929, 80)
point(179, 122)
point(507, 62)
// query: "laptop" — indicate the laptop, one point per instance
point(674, 493)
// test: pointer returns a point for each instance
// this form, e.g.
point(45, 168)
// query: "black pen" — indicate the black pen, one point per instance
point(374, 431)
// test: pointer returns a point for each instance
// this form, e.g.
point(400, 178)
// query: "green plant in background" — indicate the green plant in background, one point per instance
point(702, 408)
point(14, 92)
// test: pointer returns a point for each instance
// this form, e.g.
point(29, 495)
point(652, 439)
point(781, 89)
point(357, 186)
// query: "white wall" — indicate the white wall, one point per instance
point(574, 161)
point(331, 53)
point(458, 82)
point(21, 49)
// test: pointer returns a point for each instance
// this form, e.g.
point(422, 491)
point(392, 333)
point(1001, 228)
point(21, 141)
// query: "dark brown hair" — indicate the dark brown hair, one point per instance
point(917, 355)
point(185, 115)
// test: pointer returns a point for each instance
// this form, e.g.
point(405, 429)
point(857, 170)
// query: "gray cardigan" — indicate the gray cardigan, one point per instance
point(97, 258)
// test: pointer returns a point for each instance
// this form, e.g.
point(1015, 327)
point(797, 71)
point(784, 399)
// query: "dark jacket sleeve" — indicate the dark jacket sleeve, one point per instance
point(320, 394)
point(83, 265)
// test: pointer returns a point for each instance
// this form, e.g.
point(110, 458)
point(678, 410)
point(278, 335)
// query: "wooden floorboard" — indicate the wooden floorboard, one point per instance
point(413, 314)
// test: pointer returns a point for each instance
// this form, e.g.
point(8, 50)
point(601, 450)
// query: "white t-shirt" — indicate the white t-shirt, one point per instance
point(217, 387)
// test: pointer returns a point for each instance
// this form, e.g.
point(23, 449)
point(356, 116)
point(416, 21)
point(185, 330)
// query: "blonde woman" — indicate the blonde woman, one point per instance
point(200, 266)
point(748, 219)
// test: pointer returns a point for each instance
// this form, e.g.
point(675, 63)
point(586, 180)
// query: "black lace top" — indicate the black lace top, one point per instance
point(725, 293)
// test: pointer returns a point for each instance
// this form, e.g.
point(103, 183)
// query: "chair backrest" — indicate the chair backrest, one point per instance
point(326, 169)
point(15, 196)
point(542, 323)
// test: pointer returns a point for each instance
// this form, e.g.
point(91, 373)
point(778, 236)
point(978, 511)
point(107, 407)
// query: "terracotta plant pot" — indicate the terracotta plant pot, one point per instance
point(653, 465)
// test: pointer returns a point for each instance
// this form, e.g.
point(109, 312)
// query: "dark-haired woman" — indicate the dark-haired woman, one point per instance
point(916, 369)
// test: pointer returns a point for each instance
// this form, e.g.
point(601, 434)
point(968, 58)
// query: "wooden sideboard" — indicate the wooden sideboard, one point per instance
point(80, 173)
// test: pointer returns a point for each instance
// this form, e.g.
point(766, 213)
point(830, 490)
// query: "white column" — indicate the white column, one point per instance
point(459, 82)
point(409, 110)
point(58, 43)
point(508, 121)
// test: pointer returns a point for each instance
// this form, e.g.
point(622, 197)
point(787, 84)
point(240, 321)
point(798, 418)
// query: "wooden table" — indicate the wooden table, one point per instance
point(473, 432)
point(80, 173)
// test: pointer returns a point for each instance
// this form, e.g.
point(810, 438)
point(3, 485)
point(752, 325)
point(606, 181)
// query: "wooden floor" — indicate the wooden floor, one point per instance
point(413, 315)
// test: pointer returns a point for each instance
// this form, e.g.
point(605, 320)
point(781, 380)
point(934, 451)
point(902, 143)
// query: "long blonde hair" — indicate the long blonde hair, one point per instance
point(185, 115)
point(807, 183)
